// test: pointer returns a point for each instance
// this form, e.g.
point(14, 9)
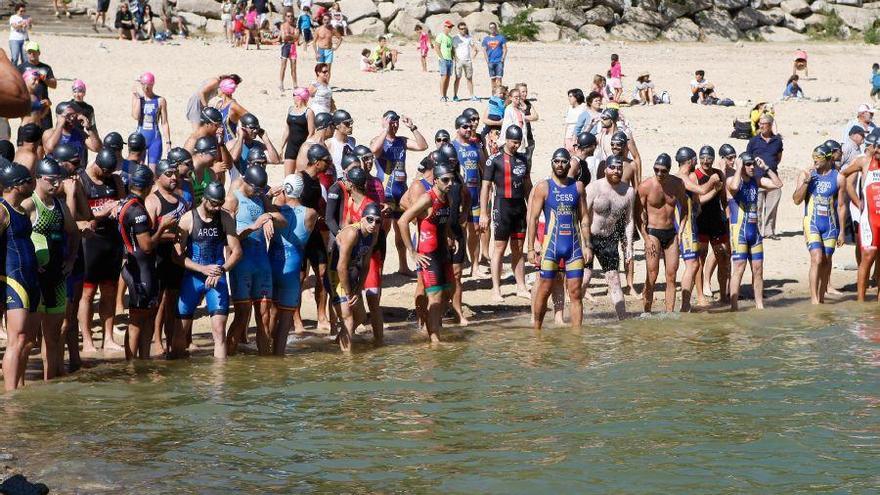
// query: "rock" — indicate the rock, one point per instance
point(417, 9)
point(795, 7)
point(601, 15)
point(851, 3)
point(204, 8)
point(682, 29)
point(731, 4)
point(358, 9)
point(570, 17)
point(855, 17)
point(6, 457)
point(593, 32)
point(617, 6)
point(541, 15)
point(815, 20)
point(387, 11)
point(794, 24)
point(478, 22)
point(547, 31)
point(645, 16)
point(746, 19)
point(772, 17)
point(509, 10)
point(19, 485)
point(215, 26)
point(635, 31)
point(538, 4)
point(765, 4)
point(716, 25)
point(819, 6)
point(780, 34)
point(435, 22)
point(681, 9)
point(465, 8)
point(568, 34)
point(439, 6)
point(404, 24)
point(371, 27)
point(194, 21)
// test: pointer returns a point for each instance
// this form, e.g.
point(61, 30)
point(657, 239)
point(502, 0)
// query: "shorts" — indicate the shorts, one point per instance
point(307, 35)
point(423, 51)
point(53, 294)
point(334, 286)
point(194, 109)
point(615, 83)
point(396, 189)
point(170, 273)
point(193, 290)
point(288, 51)
point(605, 251)
point(689, 246)
point(102, 261)
point(820, 232)
point(562, 252)
point(22, 289)
point(464, 67)
point(509, 218)
point(445, 67)
point(746, 241)
point(103, 6)
point(286, 271)
point(325, 56)
point(459, 256)
point(373, 282)
point(715, 229)
point(875, 91)
point(706, 239)
point(437, 276)
point(143, 285)
point(251, 279)
point(75, 279)
point(474, 191)
point(316, 251)
point(496, 70)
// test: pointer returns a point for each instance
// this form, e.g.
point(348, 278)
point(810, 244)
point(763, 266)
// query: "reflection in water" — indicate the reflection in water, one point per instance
point(779, 401)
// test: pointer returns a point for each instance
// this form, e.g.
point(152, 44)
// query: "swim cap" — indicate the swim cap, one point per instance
point(619, 137)
point(302, 94)
point(164, 166)
point(178, 155)
point(64, 105)
point(747, 157)
point(210, 115)
point(442, 134)
point(113, 140)
point(13, 174)
point(726, 150)
point(65, 153)
point(585, 140)
point(147, 78)
point(215, 192)
point(356, 177)
point(30, 133)
point(470, 113)
point(617, 161)
point(7, 150)
point(206, 144)
point(390, 115)
point(317, 152)
point(349, 159)
point(448, 151)
point(362, 151)
point(136, 142)
point(833, 145)
point(227, 86)
point(341, 116)
point(372, 210)
point(293, 186)
point(462, 121)
point(664, 160)
point(256, 176)
point(822, 151)
point(48, 167)
point(78, 85)
point(513, 133)
point(441, 169)
point(257, 156)
point(561, 153)
point(106, 160)
point(323, 121)
point(141, 178)
point(611, 113)
point(249, 121)
point(431, 159)
point(684, 154)
point(707, 151)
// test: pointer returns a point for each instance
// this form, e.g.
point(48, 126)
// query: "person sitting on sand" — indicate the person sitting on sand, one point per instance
point(644, 90)
point(700, 87)
point(755, 116)
point(367, 61)
point(383, 57)
point(792, 89)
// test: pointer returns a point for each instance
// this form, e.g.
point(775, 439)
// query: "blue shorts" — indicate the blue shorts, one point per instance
point(22, 292)
point(562, 252)
point(251, 279)
point(820, 232)
point(286, 289)
point(193, 290)
point(153, 140)
point(445, 67)
point(397, 190)
point(325, 55)
point(746, 243)
point(496, 70)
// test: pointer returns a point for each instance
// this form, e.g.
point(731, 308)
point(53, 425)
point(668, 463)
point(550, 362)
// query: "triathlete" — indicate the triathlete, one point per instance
point(151, 112)
point(471, 159)
point(584, 165)
point(74, 129)
point(867, 199)
point(713, 227)
point(137, 150)
point(29, 146)
point(318, 161)
point(250, 137)
point(181, 159)
point(459, 217)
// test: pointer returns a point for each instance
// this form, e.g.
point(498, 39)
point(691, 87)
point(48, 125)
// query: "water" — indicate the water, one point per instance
point(782, 401)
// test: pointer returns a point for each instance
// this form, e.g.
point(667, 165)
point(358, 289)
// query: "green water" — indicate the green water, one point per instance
point(783, 401)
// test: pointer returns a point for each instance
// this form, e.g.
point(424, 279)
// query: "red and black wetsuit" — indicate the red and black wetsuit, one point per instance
point(437, 275)
point(140, 274)
point(508, 173)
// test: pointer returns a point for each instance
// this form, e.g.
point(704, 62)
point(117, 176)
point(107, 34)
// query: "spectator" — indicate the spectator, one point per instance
point(47, 76)
point(531, 115)
point(792, 89)
point(875, 82)
point(425, 46)
point(168, 11)
point(251, 21)
point(443, 46)
point(238, 31)
point(577, 107)
point(852, 147)
point(600, 86)
point(101, 13)
point(19, 23)
point(755, 115)
point(465, 51)
point(63, 4)
point(514, 114)
point(800, 63)
point(495, 108)
point(304, 23)
point(125, 23)
point(587, 120)
point(615, 78)
point(289, 36)
point(767, 146)
point(700, 87)
point(495, 49)
point(321, 94)
point(337, 19)
point(287, 7)
point(134, 6)
point(148, 27)
point(383, 57)
point(226, 10)
point(864, 119)
point(367, 61)
point(262, 13)
point(644, 90)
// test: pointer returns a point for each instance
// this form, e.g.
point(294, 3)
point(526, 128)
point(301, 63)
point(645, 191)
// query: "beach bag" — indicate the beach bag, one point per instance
point(665, 98)
point(741, 130)
point(726, 102)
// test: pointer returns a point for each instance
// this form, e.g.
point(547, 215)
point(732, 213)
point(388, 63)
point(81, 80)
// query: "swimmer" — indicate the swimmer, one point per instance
point(151, 112)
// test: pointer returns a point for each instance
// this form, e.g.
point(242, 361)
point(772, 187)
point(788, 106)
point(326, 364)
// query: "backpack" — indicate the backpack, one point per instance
point(741, 130)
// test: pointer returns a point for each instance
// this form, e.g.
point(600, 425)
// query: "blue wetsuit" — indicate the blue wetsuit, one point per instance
point(229, 128)
point(206, 246)
point(77, 139)
point(821, 225)
point(471, 171)
point(148, 127)
point(126, 169)
point(20, 281)
point(251, 278)
point(562, 234)
point(746, 242)
point(286, 257)
point(242, 163)
point(391, 170)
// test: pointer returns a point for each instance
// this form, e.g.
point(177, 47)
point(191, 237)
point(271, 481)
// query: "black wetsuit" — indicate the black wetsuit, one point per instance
point(170, 272)
point(297, 133)
point(316, 251)
point(140, 274)
point(102, 252)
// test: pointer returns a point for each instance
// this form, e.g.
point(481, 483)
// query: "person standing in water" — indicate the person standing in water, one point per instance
point(151, 112)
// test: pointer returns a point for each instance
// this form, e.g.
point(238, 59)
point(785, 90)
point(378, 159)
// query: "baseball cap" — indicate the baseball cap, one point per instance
point(864, 107)
point(31, 46)
point(857, 130)
point(448, 23)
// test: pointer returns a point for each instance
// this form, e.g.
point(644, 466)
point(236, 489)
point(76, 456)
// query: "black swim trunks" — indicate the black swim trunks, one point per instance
point(605, 251)
point(665, 236)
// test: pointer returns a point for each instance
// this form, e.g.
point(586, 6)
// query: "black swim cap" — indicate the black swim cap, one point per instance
point(513, 133)
point(256, 176)
point(619, 137)
point(13, 174)
point(561, 153)
point(61, 107)
point(113, 140)
point(106, 160)
point(618, 161)
point(747, 157)
point(441, 169)
point(585, 140)
point(442, 134)
point(207, 144)
point(141, 178)
point(470, 113)
point(707, 151)
point(323, 121)
point(448, 151)
point(136, 142)
point(823, 151)
point(684, 154)
point(726, 150)
point(357, 177)
point(30, 133)
point(7, 150)
point(462, 121)
point(257, 156)
point(215, 192)
point(164, 166)
point(361, 151)
point(611, 113)
point(65, 153)
point(372, 210)
point(317, 152)
point(341, 116)
point(210, 115)
point(833, 145)
point(249, 121)
point(390, 115)
point(178, 155)
point(48, 167)
point(431, 160)
point(664, 160)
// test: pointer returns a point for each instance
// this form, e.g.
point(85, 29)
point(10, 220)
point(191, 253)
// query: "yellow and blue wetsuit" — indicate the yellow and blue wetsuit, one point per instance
point(687, 234)
point(821, 226)
point(391, 170)
point(745, 238)
point(562, 236)
point(471, 171)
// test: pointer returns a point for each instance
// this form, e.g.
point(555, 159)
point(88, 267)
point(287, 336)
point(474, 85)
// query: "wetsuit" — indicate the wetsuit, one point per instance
point(102, 252)
point(352, 213)
point(49, 242)
point(316, 251)
point(250, 278)
point(454, 196)
point(139, 272)
point(76, 137)
point(869, 221)
point(821, 226)
point(562, 234)
point(241, 164)
point(745, 238)
point(125, 170)
point(508, 173)
point(391, 170)
point(437, 276)
point(148, 122)
point(286, 257)
point(297, 132)
point(229, 128)
point(712, 224)
point(469, 158)
point(206, 245)
point(687, 233)
point(21, 284)
point(169, 272)
point(362, 247)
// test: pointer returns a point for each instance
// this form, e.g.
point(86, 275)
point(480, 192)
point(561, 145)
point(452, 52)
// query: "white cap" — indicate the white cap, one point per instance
point(864, 107)
point(293, 186)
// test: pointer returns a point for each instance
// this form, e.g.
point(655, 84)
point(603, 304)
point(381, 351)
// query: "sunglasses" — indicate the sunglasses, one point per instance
point(371, 219)
point(748, 164)
point(445, 180)
point(561, 161)
point(170, 173)
point(442, 140)
point(214, 202)
point(465, 127)
point(661, 170)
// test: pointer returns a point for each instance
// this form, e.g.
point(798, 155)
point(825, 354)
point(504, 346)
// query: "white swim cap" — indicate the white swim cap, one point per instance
point(293, 185)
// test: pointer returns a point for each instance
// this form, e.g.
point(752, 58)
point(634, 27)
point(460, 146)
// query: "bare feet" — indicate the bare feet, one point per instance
point(110, 345)
point(157, 350)
point(524, 293)
point(497, 297)
point(435, 339)
point(89, 348)
point(324, 325)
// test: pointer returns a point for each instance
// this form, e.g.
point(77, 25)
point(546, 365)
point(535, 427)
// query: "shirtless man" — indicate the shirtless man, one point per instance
point(712, 227)
point(609, 127)
point(327, 41)
point(632, 173)
point(610, 203)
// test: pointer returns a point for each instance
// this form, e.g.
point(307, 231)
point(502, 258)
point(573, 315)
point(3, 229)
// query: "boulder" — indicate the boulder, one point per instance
point(681, 9)
point(780, 34)
point(465, 8)
point(682, 29)
point(573, 18)
point(387, 11)
point(439, 6)
point(478, 22)
point(509, 10)
point(358, 9)
point(215, 26)
point(601, 15)
point(547, 31)
point(194, 21)
point(617, 6)
point(746, 19)
point(645, 16)
point(592, 32)
point(855, 17)
point(371, 27)
point(538, 4)
point(765, 4)
point(815, 20)
point(819, 6)
point(731, 4)
point(717, 25)
point(794, 24)
point(404, 24)
point(204, 8)
point(435, 22)
point(795, 7)
point(541, 15)
point(568, 34)
point(417, 9)
point(772, 17)
point(635, 31)
point(851, 3)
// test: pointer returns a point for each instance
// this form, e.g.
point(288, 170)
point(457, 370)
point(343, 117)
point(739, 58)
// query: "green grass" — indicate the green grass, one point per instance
point(872, 34)
point(520, 28)
point(830, 29)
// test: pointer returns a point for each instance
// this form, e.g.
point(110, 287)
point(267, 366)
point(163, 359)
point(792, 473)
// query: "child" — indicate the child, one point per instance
point(875, 82)
point(238, 30)
point(792, 89)
point(424, 46)
point(800, 63)
point(615, 77)
point(495, 111)
point(305, 25)
point(366, 63)
point(250, 21)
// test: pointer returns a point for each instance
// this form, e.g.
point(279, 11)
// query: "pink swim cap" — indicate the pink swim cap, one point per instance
point(147, 78)
point(302, 94)
point(79, 84)
point(800, 54)
point(227, 86)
